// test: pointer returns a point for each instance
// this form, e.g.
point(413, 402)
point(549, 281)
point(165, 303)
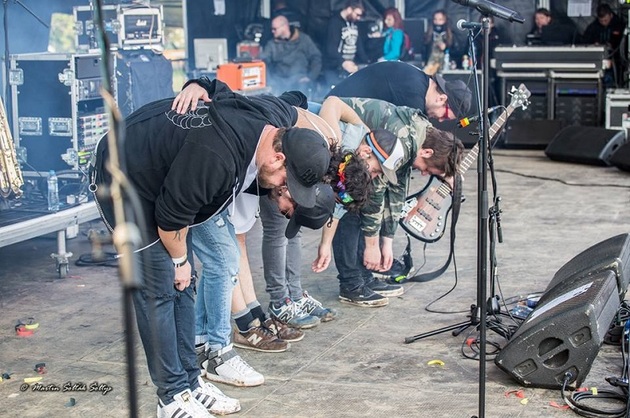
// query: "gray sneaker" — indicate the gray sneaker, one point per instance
point(311, 306)
point(288, 313)
point(363, 297)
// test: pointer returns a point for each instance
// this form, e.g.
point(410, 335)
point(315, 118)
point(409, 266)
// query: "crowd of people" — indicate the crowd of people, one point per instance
point(210, 162)
point(293, 58)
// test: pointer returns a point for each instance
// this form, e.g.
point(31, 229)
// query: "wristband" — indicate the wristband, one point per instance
point(180, 261)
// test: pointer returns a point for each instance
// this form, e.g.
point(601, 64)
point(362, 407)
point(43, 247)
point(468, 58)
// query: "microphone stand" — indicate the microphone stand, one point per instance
point(127, 236)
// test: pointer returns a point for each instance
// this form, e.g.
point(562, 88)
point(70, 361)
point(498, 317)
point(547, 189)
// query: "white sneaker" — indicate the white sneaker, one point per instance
point(226, 366)
point(184, 405)
point(214, 400)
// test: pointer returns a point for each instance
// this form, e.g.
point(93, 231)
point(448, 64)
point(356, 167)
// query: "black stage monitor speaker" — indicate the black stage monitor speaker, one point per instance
point(611, 254)
point(585, 145)
point(562, 335)
point(621, 157)
point(531, 133)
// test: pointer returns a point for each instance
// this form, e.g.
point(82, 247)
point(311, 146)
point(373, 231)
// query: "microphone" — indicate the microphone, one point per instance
point(488, 8)
point(467, 121)
point(462, 24)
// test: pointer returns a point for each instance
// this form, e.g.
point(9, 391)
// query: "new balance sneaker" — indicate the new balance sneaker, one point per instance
point(214, 400)
point(385, 289)
point(184, 405)
point(259, 338)
point(288, 313)
point(226, 366)
point(309, 305)
point(282, 331)
point(363, 297)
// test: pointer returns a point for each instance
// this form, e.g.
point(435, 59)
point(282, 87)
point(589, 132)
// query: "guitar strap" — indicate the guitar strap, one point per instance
point(457, 201)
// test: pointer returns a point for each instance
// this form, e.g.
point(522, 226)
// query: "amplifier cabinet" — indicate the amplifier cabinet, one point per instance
point(58, 113)
point(243, 75)
point(617, 103)
point(140, 27)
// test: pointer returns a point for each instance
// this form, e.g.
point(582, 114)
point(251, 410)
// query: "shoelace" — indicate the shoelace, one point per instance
point(240, 365)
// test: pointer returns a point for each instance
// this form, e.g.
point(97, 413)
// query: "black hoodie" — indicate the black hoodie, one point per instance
point(186, 168)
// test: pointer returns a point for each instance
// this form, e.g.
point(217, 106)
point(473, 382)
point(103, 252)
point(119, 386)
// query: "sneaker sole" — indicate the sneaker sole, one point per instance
point(293, 340)
point(262, 350)
point(390, 293)
point(305, 326)
point(214, 378)
point(365, 304)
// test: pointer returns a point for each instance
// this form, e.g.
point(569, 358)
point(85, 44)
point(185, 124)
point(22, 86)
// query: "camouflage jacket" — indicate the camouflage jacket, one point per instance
point(382, 212)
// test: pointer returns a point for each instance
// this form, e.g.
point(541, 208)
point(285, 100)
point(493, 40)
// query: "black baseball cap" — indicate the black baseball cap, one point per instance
point(314, 217)
point(307, 159)
point(459, 95)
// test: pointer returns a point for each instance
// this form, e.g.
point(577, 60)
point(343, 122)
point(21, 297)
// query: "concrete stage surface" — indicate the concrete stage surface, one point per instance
point(354, 366)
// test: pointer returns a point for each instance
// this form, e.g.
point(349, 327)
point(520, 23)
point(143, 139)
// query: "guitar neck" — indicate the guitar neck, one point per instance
point(496, 126)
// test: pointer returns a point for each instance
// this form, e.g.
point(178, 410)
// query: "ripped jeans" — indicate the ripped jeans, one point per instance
point(215, 245)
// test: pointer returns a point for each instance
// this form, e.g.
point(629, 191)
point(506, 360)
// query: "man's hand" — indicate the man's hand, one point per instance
point(372, 254)
point(324, 256)
point(349, 66)
point(387, 253)
point(189, 97)
point(183, 276)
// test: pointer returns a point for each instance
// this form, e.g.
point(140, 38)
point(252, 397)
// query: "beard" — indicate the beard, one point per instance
point(264, 177)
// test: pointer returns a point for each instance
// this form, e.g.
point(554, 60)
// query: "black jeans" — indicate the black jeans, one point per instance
point(348, 249)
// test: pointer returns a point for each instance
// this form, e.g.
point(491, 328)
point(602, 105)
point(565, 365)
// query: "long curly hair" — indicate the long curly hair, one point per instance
point(352, 180)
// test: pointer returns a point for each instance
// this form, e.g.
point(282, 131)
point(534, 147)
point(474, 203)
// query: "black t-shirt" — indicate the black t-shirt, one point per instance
point(396, 82)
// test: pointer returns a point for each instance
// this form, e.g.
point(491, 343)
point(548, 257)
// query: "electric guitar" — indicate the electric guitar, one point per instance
point(424, 214)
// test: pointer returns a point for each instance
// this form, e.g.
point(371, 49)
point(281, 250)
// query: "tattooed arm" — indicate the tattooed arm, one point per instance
point(175, 243)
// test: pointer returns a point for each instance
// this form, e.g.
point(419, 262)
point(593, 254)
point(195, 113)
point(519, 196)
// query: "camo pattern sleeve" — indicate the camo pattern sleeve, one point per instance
point(381, 214)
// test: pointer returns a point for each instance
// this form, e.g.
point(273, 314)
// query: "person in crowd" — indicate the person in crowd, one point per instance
point(344, 47)
point(437, 40)
point(403, 84)
point(394, 34)
point(548, 30)
point(292, 59)
point(542, 18)
point(295, 18)
point(608, 29)
point(364, 242)
point(220, 143)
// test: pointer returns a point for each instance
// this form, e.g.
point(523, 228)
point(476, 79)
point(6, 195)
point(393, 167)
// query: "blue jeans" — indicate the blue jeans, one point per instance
point(281, 256)
point(214, 243)
point(165, 318)
point(348, 248)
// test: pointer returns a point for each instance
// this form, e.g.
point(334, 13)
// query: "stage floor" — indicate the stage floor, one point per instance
point(354, 366)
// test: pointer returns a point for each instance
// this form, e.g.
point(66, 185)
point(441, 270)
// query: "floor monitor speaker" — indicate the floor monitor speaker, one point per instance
point(621, 157)
point(561, 337)
point(611, 254)
point(585, 145)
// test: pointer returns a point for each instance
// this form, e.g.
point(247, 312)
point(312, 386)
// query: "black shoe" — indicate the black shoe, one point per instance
point(364, 297)
point(385, 289)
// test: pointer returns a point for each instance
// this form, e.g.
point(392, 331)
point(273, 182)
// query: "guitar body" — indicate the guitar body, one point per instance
point(425, 213)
